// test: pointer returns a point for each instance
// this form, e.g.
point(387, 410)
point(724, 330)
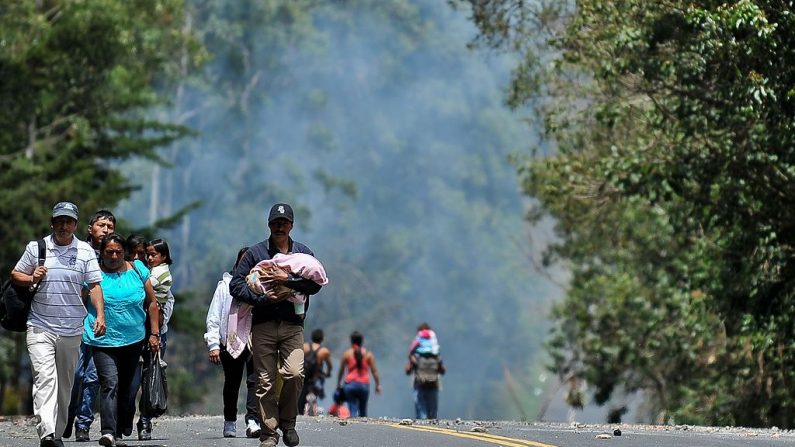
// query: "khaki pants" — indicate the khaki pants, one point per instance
point(53, 359)
point(274, 341)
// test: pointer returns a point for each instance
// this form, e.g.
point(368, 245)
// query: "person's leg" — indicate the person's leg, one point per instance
point(144, 424)
point(419, 403)
point(264, 351)
point(90, 389)
point(77, 390)
point(41, 348)
point(107, 363)
point(432, 400)
point(125, 403)
point(233, 375)
point(364, 396)
point(291, 353)
point(67, 349)
point(302, 399)
point(351, 392)
point(251, 388)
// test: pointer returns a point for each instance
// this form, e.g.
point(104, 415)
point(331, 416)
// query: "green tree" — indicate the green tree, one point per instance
point(78, 79)
point(669, 171)
point(390, 139)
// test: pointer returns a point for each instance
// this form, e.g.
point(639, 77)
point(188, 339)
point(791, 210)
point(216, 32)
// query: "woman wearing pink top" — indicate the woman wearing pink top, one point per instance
point(355, 367)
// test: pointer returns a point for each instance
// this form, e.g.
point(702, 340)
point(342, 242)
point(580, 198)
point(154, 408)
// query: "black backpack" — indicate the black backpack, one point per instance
point(427, 373)
point(310, 365)
point(15, 301)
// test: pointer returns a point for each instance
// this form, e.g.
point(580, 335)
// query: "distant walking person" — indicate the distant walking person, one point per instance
point(233, 366)
point(317, 366)
point(425, 361)
point(358, 362)
point(86, 383)
point(277, 332)
point(55, 322)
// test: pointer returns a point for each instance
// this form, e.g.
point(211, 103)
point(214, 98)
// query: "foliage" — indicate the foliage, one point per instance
point(390, 139)
point(670, 178)
point(78, 80)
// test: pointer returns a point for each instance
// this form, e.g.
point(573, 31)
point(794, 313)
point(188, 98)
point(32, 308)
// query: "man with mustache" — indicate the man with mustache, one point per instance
point(277, 332)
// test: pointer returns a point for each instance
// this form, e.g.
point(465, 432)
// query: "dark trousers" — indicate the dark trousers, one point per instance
point(116, 369)
point(426, 402)
point(233, 375)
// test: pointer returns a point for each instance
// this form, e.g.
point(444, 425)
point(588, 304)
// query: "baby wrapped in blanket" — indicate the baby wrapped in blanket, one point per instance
point(299, 264)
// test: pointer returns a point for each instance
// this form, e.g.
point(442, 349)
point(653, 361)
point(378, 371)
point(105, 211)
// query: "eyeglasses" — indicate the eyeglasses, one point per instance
point(114, 252)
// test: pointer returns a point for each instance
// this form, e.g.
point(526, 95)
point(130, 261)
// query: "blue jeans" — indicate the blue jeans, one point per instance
point(356, 394)
point(426, 402)
point(84, 390)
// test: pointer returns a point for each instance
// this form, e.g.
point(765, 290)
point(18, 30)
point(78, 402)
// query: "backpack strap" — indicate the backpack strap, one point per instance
point(42, 251)
point(132, 263)
point(41, 258)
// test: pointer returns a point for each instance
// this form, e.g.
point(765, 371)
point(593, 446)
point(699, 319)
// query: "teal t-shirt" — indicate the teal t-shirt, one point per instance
point(125, 318)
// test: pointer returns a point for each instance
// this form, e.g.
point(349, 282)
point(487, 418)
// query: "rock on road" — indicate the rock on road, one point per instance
point(205, 431)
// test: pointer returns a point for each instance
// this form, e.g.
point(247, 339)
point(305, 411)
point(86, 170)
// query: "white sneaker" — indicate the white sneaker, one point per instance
point(230, 429)
point(252, 429)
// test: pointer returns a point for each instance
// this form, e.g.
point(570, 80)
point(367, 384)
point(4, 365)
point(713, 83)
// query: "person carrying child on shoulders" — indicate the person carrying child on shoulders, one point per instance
point(425, 362)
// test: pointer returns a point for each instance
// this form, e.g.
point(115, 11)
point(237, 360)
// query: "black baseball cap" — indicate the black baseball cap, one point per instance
point(280, 210)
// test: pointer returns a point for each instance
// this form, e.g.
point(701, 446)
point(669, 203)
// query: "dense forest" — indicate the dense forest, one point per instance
point(388, 135)
point(464, 163)
point(668, 130)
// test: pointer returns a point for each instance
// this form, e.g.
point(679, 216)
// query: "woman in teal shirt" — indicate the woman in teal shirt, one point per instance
point(128, 293)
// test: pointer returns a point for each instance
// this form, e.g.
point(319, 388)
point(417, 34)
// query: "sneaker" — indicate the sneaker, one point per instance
point(290, 437)
point(252, 429)
point(230, 429)
point(144, 430)
point(270, 441)
point(107, 440)
point(81, 435)
point(49, 441)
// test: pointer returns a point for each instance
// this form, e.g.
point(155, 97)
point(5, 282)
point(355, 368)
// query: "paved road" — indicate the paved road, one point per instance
point(205, 431)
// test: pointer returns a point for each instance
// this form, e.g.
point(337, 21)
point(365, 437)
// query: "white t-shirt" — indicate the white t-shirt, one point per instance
point(57, 306)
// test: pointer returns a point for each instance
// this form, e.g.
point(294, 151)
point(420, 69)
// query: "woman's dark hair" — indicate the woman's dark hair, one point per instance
point(161, 246)
point(240, 254)
point(356, 340)
point(112, 237)
point(133, 241)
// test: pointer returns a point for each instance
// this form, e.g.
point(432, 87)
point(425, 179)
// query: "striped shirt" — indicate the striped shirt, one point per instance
point(161, 282)
point(58, 306)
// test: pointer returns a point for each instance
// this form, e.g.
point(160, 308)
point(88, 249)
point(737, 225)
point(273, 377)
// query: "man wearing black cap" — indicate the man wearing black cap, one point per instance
point(55, 322)
point(276, 329)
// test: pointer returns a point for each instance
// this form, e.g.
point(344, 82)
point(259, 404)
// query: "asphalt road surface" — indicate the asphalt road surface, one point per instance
point(205, 431)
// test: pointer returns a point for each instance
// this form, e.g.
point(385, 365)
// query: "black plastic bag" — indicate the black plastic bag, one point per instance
point(154, 390)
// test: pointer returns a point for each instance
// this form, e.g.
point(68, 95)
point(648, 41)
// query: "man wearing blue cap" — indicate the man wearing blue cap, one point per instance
point(55, 322)
point(276, 331)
